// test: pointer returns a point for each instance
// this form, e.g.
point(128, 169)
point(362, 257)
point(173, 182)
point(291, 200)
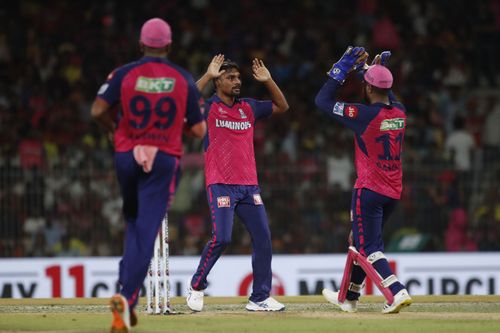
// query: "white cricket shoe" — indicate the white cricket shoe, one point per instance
point(194, 298)
point(401, 300)
point(121, 314)
point(269, 304)
point(333, 297)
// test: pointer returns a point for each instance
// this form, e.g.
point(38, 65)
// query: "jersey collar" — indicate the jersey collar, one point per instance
point(154, 59)
point(217, 99)
point(387, 106)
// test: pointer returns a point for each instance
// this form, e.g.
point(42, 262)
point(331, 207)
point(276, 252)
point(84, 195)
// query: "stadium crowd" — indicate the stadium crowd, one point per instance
point(58, 192)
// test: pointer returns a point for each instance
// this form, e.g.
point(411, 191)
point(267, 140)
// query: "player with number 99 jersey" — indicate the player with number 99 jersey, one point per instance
point(158, 101)
point(155, 97)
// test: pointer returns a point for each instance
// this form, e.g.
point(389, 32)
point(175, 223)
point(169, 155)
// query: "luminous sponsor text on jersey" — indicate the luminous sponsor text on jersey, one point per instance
point(234, 125)
point(154, 85)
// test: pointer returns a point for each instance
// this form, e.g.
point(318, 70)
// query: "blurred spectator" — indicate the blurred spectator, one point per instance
point(487, 221)
point(491, 132)
point(458, 236)
point(70, 247)
point(459, 145)
point(53, 234)
point(339, 168)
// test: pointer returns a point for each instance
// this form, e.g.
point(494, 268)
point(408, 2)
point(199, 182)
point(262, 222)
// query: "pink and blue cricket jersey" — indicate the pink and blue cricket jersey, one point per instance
point(232, 188)
point(229, 150)
point(156, 98)
point(378, 139)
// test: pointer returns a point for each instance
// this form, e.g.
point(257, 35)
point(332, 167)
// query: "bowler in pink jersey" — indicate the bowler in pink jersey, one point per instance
point(231, 177)
point(157, 100)
point(379, 128)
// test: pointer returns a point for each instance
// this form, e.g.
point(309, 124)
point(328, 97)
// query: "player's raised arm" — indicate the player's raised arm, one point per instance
point(326, 98)
point(213, 71)
point(262, 74)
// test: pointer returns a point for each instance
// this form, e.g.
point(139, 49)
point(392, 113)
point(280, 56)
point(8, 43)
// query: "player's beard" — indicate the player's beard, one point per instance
point(235, 92)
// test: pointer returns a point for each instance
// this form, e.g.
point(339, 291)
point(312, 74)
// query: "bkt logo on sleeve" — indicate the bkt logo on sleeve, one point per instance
point(223, 202)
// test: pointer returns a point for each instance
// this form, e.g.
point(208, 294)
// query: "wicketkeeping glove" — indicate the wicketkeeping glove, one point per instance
point(382, 58)
point(345, 64)
point(361, 61)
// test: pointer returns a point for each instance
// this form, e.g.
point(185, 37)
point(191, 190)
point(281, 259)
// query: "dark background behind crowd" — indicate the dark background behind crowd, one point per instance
point(58, 193)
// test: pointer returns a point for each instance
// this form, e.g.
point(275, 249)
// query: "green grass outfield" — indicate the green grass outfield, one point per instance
point(427, 314)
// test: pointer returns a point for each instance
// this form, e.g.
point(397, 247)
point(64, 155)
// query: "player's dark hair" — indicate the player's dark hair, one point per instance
point(229, 64)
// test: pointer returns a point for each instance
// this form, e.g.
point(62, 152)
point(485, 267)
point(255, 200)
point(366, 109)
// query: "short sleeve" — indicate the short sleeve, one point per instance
point(261, 109)
point(110, 90)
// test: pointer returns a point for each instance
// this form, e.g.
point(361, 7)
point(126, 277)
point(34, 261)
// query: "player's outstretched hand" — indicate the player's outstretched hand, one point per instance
point(213, 70)
point(260, 72)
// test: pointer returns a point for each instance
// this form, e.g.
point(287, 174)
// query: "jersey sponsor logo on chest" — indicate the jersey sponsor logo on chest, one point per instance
point(233, 125)
point(224, 202)
point(155, 85)
point(222, 111)
point(392, 124)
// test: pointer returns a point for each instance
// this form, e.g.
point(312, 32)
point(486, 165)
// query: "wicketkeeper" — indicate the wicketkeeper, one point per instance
point(379, 127)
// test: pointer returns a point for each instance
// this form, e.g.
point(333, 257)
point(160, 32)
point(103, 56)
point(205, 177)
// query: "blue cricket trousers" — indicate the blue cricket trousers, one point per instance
point(370, 210)
point(146, 197)
point(245, 201)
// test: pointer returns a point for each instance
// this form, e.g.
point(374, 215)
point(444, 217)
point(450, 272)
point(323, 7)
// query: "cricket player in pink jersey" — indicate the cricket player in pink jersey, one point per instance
point(157, 100)
point(379, 128)
point(231, 177)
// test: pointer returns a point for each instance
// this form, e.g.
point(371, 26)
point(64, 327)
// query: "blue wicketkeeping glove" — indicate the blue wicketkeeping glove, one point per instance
point(345, 64)
point(382, 58)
